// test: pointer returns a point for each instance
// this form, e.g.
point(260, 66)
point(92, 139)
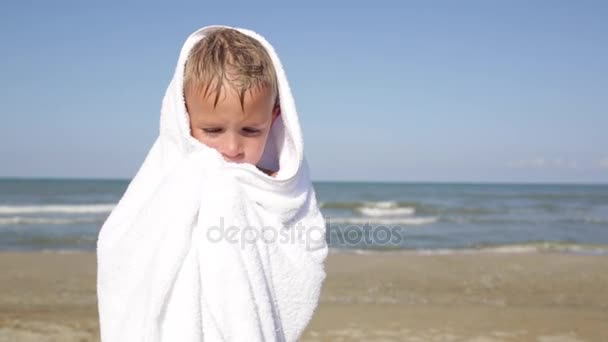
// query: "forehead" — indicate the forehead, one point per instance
point(256, 103)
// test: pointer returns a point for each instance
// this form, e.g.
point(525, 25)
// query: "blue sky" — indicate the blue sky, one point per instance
point(464, 91)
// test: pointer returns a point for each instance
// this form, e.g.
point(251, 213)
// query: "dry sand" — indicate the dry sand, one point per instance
point(373, 297)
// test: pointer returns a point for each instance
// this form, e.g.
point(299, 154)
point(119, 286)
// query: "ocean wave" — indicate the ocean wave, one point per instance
point(377, 212)
point(382, 221)
point(369, 204)
point(518, 248)
point(60, 208)
point(382, 204)
point(490, 220)
point(45, 220)
point(398, 208)
point(58, 241)
point(475, 211)
point(339, 205)
point(596, 220)
point(375, 209)
point(546, 246)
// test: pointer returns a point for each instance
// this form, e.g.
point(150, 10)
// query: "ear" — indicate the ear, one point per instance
point(276, 112)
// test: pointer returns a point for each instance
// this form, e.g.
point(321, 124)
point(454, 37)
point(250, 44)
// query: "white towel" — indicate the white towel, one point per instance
point(165, 271)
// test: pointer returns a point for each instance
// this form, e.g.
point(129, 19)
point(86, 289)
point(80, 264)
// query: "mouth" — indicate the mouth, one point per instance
point(230, 160)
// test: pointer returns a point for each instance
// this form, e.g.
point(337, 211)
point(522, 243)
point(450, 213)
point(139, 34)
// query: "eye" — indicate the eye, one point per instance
point(212, 130)
point(250, 131)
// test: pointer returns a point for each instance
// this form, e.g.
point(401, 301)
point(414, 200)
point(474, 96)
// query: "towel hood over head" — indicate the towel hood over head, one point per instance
point(284, 148)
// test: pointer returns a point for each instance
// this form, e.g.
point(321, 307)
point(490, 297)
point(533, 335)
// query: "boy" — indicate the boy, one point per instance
point(231, 95)
point(219, 236)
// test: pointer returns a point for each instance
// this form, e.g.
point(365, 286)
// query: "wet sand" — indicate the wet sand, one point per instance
point(379, 297)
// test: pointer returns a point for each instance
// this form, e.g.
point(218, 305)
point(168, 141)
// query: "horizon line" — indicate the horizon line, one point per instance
point(372, 181)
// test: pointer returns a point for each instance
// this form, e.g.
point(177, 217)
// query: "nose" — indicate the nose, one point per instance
point(231, 149)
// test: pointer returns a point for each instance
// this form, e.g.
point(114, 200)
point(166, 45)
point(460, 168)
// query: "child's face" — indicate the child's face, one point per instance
point(240, 136)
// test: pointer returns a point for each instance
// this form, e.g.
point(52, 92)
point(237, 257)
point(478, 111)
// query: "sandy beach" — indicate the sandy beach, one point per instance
point(392, 296)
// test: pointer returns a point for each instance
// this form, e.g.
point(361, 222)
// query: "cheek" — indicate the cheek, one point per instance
point(255, 149)
point(201, 137)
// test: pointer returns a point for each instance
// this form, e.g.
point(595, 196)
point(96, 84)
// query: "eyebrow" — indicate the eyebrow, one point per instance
point(203, 121)
point(210, 124)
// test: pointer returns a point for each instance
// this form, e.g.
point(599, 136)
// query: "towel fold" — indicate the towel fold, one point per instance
point(202, 249)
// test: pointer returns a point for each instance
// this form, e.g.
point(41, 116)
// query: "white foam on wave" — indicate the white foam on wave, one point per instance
point(382, 204)
point(378, 212)
point(383, 221)
point(525, 248)
point(44, 220)
point(65, 209)
point(66, 251)
point(597, 220)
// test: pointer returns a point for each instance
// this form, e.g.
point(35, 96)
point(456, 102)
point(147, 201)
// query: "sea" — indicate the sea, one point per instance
point(67, 214)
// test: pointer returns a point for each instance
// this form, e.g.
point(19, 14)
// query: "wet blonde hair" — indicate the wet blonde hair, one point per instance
point(227, 56)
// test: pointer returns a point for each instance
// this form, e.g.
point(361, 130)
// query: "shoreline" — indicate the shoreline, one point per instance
point(532, 247)
point(390, 295)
